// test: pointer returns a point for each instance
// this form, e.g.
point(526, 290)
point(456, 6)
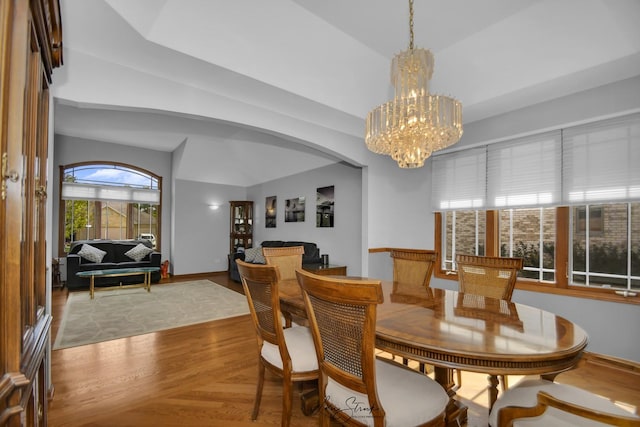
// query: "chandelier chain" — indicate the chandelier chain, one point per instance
point(410, 24)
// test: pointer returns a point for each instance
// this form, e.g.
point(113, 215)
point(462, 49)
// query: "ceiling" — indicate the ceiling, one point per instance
point(291, 81)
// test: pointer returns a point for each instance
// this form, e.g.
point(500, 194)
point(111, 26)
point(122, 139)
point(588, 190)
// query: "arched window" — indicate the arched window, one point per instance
point(109, 200)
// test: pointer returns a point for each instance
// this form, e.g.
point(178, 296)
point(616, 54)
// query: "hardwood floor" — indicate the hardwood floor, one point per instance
point(205, 375)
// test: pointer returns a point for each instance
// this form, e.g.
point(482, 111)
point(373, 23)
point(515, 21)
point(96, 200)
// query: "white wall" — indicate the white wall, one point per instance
point(615, 99)
point(201, 235)
point(343, 242)
point(399, 205)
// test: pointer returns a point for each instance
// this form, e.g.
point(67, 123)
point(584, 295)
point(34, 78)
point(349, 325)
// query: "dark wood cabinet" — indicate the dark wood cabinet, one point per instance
point(241, 235)
point(30, 48)
point(326, 269)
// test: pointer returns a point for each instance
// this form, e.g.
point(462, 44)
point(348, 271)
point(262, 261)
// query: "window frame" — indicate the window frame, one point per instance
point(61, 202)
point(561, 286)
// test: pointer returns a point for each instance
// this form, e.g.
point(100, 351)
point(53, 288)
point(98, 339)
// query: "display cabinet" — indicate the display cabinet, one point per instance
point(30, 49)
point(241, 234)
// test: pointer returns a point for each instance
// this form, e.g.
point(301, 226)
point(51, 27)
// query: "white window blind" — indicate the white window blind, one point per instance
point(76, 191)
point(602, 161)
point(525, 172)
point(459, 180)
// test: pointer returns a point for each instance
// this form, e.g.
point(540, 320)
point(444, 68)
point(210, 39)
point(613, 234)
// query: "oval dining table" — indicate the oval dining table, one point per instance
point(453, 330)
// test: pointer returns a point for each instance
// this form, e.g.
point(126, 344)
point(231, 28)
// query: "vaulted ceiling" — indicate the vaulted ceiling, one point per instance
point(289, 83)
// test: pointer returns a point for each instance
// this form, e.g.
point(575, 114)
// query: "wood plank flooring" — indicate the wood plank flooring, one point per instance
point(205, 375)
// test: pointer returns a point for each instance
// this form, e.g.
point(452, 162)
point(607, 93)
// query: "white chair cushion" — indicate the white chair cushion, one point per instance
point(525, 394)
point(301, 349)
point(409, 398)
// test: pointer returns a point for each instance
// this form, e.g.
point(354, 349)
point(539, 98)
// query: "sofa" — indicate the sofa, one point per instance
point(254, 255)
point(85, 255)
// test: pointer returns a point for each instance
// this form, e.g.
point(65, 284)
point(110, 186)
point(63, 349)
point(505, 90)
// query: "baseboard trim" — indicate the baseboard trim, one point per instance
point(192, 276)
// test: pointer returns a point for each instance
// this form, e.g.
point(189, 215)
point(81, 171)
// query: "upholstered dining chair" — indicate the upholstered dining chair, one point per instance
point(286, 352)
point(544, 403)
point(355, 387)
point(493, 277)
point(413, 268)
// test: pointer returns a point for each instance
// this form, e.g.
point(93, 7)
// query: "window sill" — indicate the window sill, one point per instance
point(572, 291)
point(577, 292)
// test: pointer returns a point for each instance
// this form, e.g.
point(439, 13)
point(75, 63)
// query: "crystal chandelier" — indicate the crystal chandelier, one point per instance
point(415, 123)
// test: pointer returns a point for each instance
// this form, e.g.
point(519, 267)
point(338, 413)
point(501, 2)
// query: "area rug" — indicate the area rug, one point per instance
point(123, 313)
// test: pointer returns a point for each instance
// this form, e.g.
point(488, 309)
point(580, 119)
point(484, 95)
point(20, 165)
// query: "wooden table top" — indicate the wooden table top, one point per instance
point(455, 330)
point(474, 333)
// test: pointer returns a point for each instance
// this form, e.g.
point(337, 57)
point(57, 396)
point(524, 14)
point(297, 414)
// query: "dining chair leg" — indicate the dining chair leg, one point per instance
point(256, 405)
point(287, 400)
point(421, 366)
point(287, 320)
point(504, 382)
point(325, 418)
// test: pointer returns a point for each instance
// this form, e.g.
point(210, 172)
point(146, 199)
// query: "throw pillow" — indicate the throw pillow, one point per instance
point(91, 253)
point(250, 254)
point(259, 259)
point(138, 252)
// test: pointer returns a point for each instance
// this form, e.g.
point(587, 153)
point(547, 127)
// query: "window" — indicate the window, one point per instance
point(108, 201)
point(595, 220)
point(566, 202)
point(463, 233)
point(530, 234)
point(611, 256)
point(520, 233)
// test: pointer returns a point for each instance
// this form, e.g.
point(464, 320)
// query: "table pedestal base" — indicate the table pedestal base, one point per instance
point(456, 413)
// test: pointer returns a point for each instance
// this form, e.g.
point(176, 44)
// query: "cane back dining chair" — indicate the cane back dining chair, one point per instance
point(413, 268)
point(493, 277)
point(287, 258)
point(355, 387)
point(544, 403)
point(286, 352)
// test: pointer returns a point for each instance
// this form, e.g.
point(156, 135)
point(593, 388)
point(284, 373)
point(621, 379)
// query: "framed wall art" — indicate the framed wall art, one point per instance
point(324, 206)
point(270, 212)
point(294, 210)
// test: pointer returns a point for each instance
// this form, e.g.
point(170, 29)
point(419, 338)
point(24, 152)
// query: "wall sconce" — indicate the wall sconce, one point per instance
point(214, 207)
